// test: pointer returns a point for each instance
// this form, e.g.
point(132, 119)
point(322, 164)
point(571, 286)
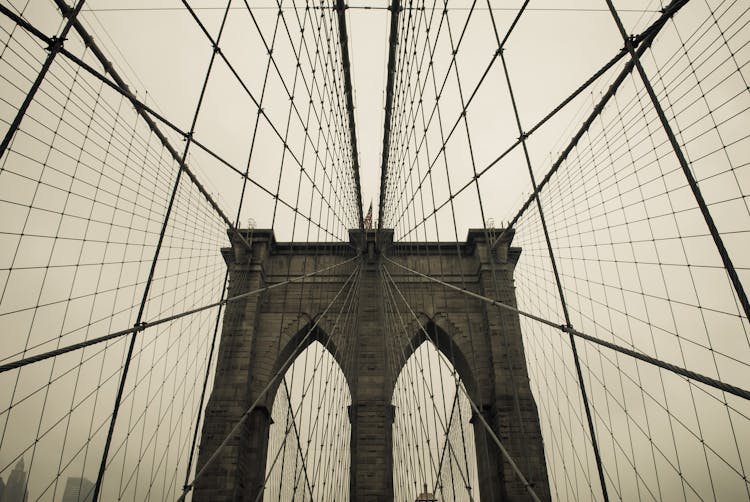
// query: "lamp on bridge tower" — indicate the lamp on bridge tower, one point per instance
point(426, 496)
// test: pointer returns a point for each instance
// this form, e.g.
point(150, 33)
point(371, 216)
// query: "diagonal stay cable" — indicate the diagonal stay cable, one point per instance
point(560, 290)
point(281, 371)
point(494, 282)
point(295, 353)
point(443, 359)
point(648, 37)
point(645, 38)
point(123, 88)
point(698, 377)
point(214, 43)
point(297, 440)
point(154, 262)
point(55, 46)
point(148, 324)
point(446, 443)
point(350, 301)
point(678, 150)
point(391, 299)
point(642, 41)
point(463, 110)
point(309, 87)
point(465, 106)
point(148, 114)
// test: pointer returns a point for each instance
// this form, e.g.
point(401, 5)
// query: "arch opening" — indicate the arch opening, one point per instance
point(295, 345)
point(433, 436)
point(308, 454)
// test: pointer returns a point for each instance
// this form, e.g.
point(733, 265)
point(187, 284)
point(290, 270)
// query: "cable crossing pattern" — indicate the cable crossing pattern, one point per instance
point(551, 304)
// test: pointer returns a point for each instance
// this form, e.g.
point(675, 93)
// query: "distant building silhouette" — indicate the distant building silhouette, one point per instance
point(15, 488)
point(78, 490)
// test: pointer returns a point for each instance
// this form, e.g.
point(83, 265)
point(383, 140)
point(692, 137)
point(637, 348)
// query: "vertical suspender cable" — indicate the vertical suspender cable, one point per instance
point(558, 282)
point(54, 49)
point(692, 182)
point(152, 271)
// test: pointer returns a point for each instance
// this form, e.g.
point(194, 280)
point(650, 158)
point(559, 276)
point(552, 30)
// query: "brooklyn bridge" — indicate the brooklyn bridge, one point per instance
point(384, 250)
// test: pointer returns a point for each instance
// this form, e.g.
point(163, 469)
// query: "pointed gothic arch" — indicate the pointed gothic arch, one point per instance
point(295, 340)
point(441, 334)
point(435, 455)
point(265, 332)
point(306, 448)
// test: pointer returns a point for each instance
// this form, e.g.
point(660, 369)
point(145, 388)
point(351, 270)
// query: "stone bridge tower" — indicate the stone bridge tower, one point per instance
point(263, 331)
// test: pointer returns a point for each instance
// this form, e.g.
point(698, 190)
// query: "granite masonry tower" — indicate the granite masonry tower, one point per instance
point(262, 331)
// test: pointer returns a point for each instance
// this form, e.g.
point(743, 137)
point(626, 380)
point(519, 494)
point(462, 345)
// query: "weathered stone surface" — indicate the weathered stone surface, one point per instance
point(262, 334)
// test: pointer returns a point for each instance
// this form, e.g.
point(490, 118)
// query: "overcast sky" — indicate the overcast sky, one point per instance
point(637, 262)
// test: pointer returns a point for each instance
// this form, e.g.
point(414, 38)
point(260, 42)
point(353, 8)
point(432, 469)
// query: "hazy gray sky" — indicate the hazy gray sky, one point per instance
point(85, 187)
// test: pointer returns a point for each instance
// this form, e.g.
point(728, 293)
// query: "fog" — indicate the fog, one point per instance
point(86, 185)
